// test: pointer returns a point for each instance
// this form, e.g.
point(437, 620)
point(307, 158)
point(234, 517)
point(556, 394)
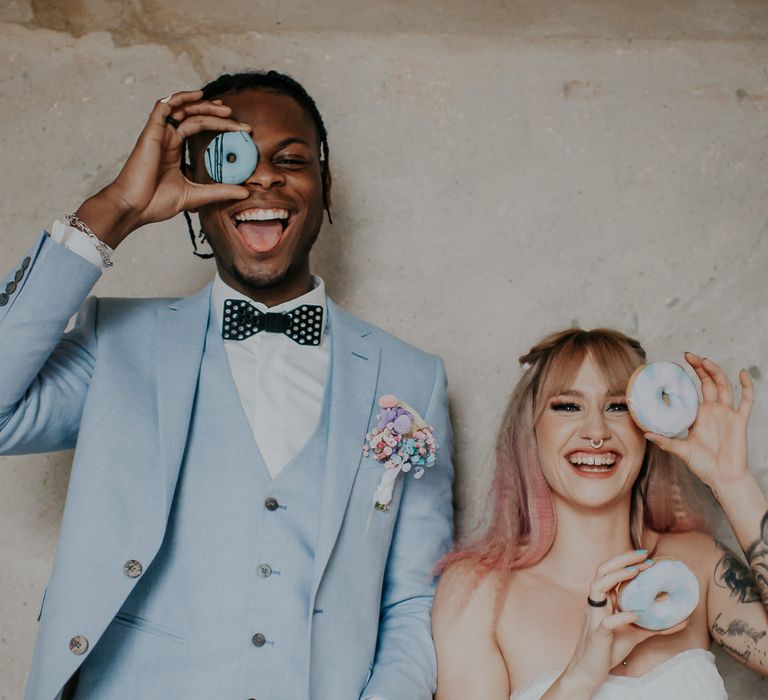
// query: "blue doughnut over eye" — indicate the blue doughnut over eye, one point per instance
point(231, 157)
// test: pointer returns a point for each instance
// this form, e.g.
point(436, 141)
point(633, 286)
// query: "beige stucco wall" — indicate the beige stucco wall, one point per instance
point(500, 170)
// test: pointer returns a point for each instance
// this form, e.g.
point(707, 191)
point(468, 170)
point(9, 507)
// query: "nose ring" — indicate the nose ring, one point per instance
point(596, 445)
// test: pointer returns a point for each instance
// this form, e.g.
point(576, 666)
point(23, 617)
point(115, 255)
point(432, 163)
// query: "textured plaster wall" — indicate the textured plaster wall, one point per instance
point(500, 170)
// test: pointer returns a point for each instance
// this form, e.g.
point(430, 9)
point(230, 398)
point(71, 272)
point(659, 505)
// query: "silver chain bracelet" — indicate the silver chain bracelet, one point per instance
point(103, 249)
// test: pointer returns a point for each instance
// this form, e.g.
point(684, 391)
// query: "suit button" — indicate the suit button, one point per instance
point(258, 640)
point(10, 288)
point(133, 568)
point(78, 645)
point(25, 262)
point(271, 503)
point(3, 299)
point(19, 274)
point(264, 570)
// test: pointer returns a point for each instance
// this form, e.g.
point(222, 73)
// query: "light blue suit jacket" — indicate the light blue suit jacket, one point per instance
point(120, 387)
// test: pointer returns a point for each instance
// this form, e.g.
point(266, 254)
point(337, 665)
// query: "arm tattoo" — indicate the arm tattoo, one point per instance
point(748, 584)
point(732, 575)
point(739, 627)
point(741, 640)
point(757, 557)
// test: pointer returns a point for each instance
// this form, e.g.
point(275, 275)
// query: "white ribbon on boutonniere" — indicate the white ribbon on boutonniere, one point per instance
point(403, 441)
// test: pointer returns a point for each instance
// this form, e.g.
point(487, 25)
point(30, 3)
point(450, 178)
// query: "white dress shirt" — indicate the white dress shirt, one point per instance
point(281, 383)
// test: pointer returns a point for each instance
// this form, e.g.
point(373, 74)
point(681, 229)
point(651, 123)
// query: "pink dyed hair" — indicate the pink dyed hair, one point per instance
point(521, 526)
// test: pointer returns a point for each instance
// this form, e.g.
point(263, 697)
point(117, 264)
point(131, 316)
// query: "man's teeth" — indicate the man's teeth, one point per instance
point(583, 459)
point(261, 215)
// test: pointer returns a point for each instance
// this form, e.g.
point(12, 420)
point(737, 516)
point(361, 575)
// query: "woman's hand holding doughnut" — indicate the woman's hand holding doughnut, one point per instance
point(151, 186)
point(716, 447)
point(608, 635)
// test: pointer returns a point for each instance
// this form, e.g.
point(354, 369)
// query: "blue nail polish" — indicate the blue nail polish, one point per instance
point(641, 551)
point(648, 561)
point(631, 568)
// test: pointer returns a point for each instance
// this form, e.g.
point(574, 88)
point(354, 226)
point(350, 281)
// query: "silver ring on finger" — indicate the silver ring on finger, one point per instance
point(597, 603)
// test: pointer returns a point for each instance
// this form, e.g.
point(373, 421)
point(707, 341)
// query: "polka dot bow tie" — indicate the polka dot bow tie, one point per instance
point(242, 320)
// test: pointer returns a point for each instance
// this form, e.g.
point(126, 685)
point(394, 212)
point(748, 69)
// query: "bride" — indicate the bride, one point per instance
point(528, 607)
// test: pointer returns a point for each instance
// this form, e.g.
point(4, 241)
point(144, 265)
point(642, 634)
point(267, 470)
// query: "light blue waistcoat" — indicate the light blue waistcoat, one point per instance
point(223, 611)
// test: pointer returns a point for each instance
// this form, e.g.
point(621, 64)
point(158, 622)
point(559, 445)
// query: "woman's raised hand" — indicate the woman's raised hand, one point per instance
point(608, 635)
point(151, 186)
point(716, 447)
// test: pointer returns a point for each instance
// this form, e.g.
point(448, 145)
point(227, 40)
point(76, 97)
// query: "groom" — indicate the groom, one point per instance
point(219, 538)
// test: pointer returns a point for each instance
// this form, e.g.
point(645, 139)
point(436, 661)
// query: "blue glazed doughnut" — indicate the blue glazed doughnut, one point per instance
point(662, 399)
point(661, 596)
point(231, 157)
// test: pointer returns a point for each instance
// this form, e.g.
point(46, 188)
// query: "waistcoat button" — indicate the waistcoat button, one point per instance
point(264, 570)
point(78, 645)
point(133, 568)
point(271, 503)
point(258, 640)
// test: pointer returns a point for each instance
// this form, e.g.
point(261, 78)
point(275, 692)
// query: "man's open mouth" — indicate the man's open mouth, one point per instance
point(261, 229)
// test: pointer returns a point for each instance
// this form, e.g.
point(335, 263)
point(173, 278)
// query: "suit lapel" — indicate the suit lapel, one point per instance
point(183, 325)
point(354, 374)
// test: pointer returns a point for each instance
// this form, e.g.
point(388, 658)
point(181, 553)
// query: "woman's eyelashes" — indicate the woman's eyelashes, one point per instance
point(564, 406)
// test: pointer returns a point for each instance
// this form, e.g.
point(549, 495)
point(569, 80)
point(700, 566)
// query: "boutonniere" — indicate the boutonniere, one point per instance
point(403, 441)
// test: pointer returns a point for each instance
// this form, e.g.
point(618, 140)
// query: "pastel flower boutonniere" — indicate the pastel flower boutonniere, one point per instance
point(403, 442)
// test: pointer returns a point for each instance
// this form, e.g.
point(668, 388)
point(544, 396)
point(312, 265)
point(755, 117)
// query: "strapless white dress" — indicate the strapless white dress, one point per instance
point(689, 675)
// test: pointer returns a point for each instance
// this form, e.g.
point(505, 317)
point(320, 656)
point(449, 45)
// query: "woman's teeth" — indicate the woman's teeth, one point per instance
point(584, 461)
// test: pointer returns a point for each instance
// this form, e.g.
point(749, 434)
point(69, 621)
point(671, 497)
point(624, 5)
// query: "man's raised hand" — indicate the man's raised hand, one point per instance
point(151, 186)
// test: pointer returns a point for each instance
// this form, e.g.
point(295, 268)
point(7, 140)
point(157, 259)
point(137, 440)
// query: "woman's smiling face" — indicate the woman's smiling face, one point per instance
point(589, 448)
